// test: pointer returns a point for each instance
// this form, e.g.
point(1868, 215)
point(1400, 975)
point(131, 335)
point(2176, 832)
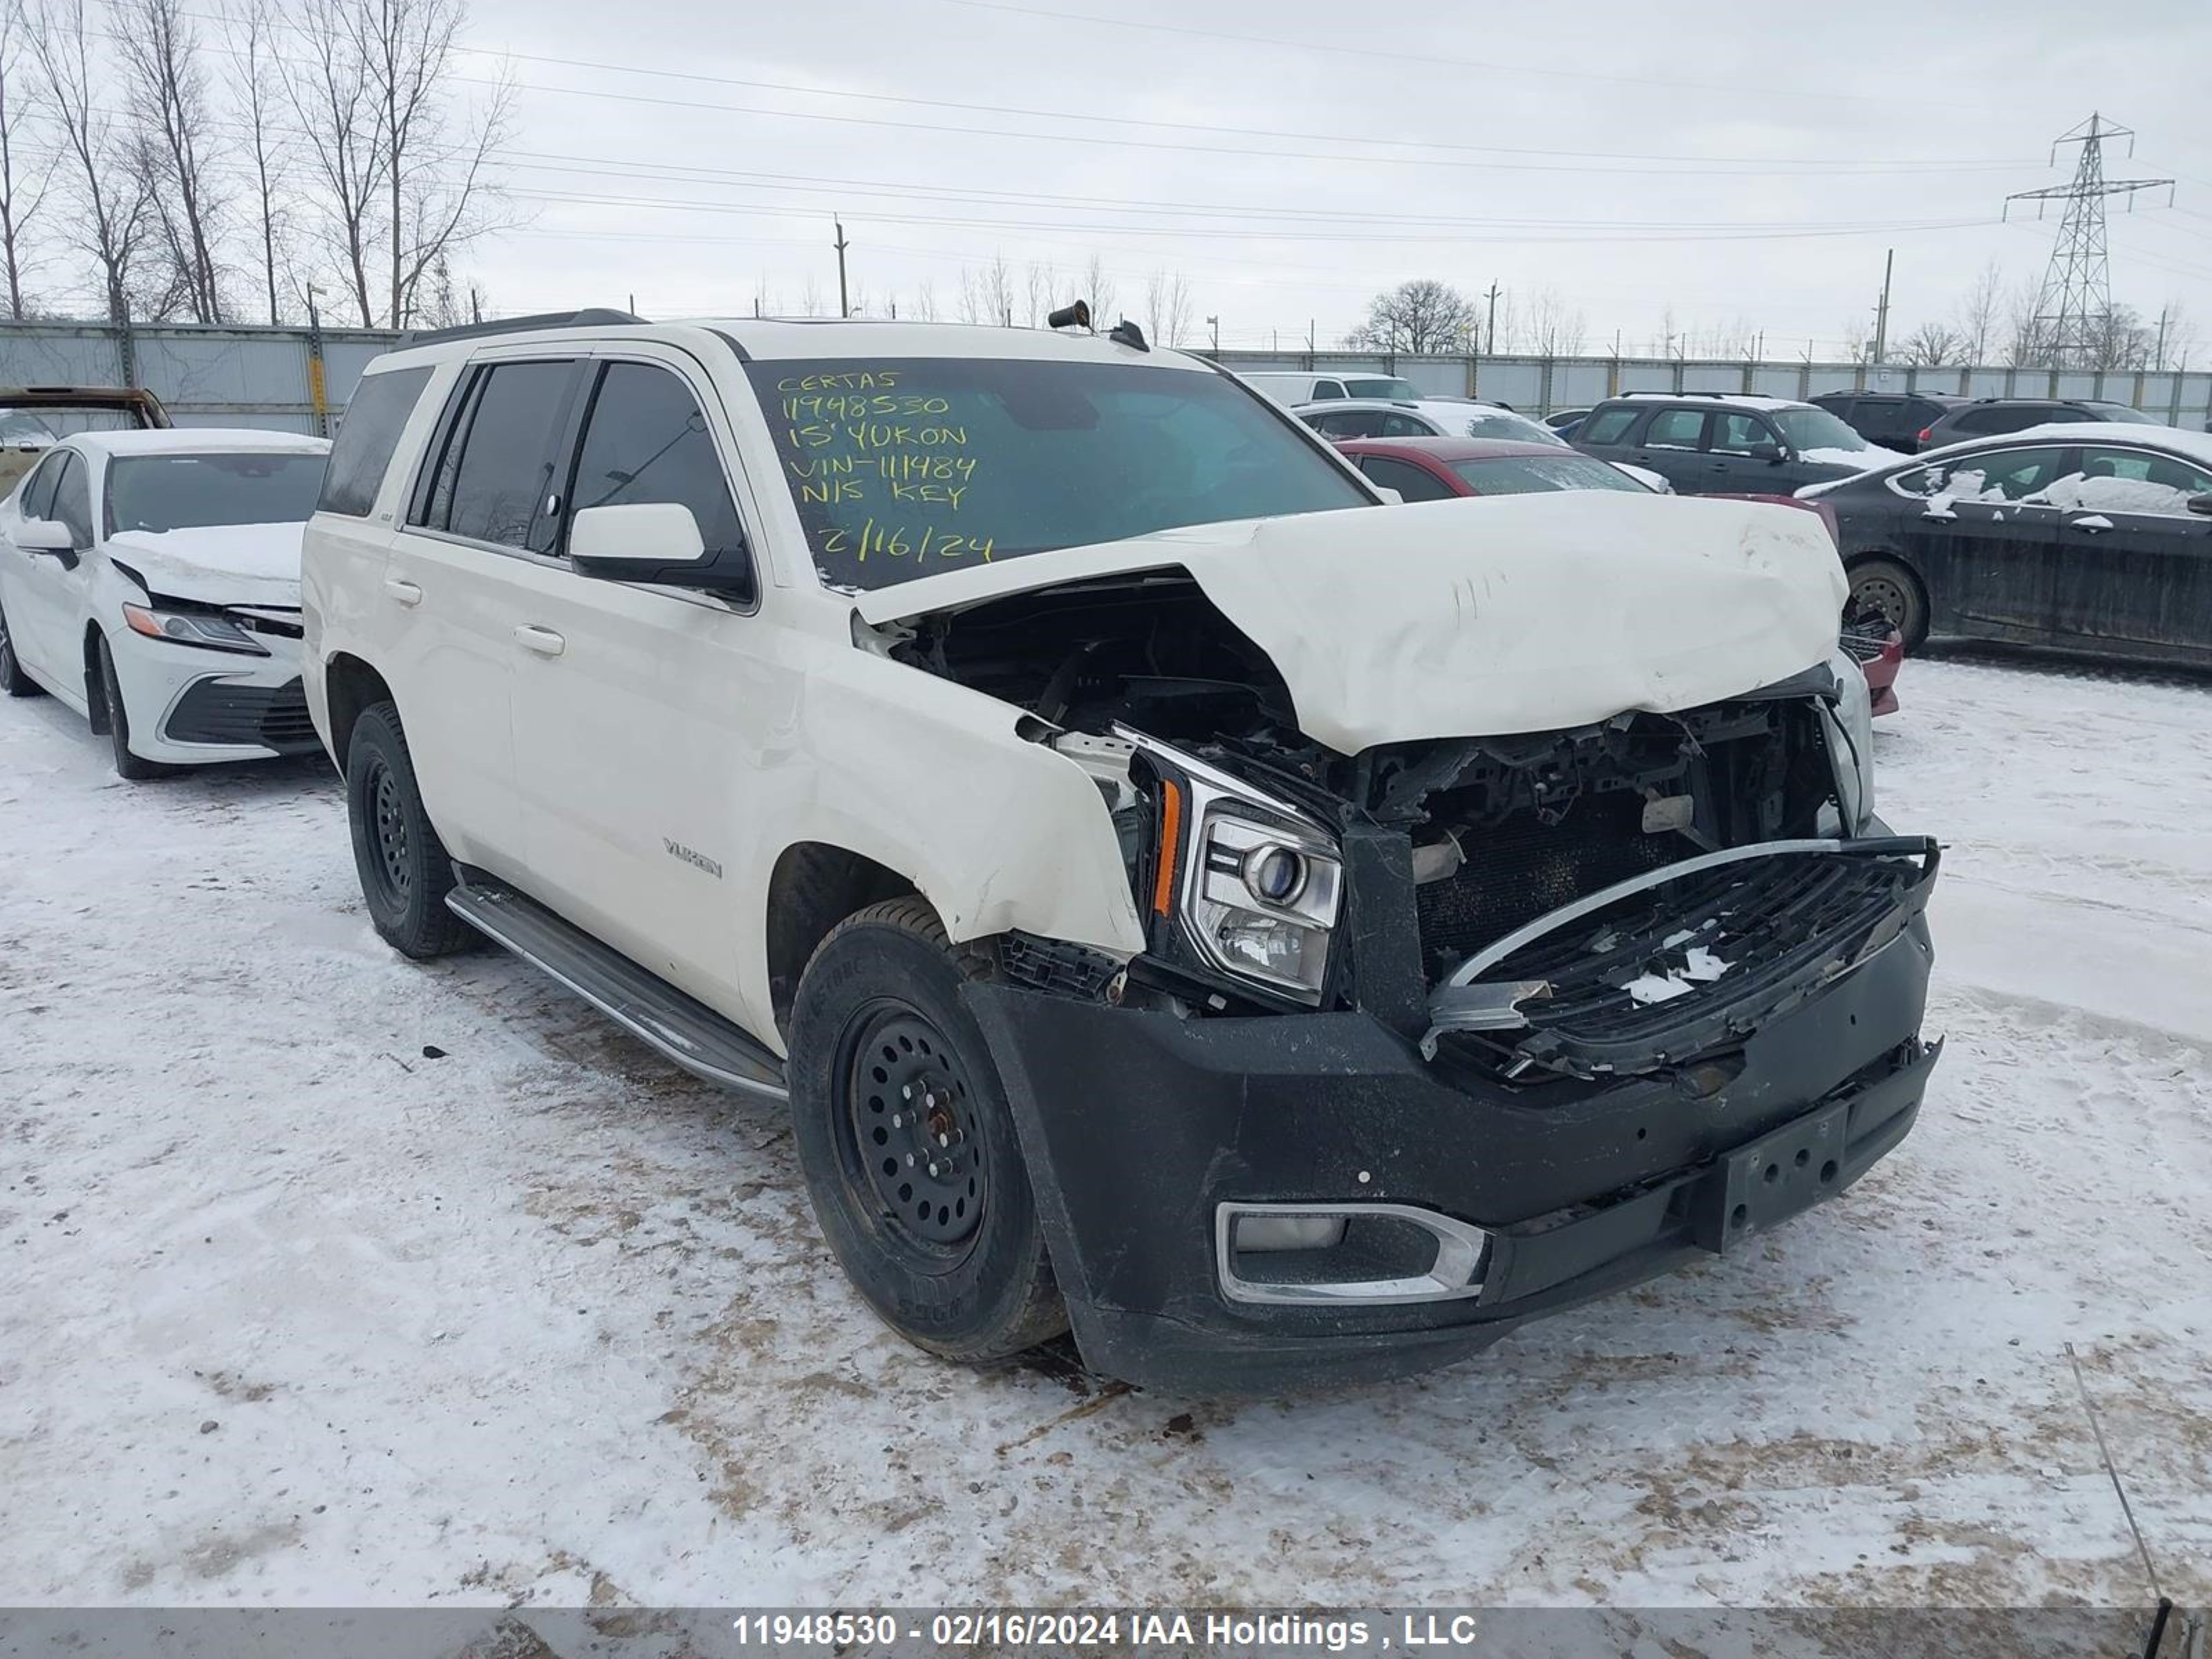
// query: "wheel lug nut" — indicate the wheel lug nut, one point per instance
point(944, 1140)
point(897, 1121)
point(909, 1160)
point(906, 1092)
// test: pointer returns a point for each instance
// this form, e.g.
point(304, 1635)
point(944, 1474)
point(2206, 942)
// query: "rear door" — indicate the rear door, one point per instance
point(483, 512)
point(1990, 538)
point(2135, 564)
point(1673, 445)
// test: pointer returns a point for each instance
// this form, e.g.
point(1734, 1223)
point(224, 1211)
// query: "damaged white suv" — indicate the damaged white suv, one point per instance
point(1282, 936)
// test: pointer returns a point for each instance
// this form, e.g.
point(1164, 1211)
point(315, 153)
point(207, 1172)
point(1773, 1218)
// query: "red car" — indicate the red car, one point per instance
point(1437, 469)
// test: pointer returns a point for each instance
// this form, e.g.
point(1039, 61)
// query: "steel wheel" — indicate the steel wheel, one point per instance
point(393, 874)
point(908, 1124)
point(1885, 585)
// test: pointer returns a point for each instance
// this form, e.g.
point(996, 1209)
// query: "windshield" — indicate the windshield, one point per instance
point(42, 424)
point(1394, 390)
point(21, 426)
point(1526, 475)
point(189, 492)
point(905, 467)
point(1814, 428)
point(1504, 423)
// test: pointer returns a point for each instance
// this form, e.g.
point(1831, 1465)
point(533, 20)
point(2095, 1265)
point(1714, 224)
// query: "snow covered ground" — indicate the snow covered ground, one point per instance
point(327, 1277)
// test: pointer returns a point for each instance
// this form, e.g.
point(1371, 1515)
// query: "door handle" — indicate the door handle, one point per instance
point(2089, 526)
point(405, 592)
point(544, 640)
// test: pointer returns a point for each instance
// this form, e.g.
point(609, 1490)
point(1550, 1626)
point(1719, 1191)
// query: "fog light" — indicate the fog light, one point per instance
point(1288, 1232)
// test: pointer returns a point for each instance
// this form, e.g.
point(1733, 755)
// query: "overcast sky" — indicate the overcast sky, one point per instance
point(1636, 159)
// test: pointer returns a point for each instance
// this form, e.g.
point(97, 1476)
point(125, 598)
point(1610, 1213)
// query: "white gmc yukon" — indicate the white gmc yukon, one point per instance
point(1281, 935)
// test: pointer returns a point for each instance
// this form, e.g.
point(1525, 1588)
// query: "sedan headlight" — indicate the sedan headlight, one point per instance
point(199, 628)
point(1255, 884)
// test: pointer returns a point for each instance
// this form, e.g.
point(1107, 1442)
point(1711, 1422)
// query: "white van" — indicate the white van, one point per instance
point(1291, 389)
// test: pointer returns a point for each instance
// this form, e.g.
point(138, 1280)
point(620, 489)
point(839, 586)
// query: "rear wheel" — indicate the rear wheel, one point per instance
point(406, 870)
point(908, 1142)
point(131, 768)
point(1886, 585)
point(13, 680)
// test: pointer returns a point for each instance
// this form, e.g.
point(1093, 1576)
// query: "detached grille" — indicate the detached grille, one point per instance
point(1524, 868)
point(223, 711)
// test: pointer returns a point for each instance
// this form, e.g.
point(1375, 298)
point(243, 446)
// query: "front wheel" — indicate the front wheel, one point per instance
point(908, 1142)
point(1886, 585)
point(131, 768)
point(406, 870)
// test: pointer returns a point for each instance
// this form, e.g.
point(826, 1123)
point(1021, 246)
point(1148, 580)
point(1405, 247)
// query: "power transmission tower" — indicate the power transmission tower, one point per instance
point(2073, 313)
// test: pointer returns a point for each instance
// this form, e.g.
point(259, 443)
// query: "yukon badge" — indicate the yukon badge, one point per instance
point(676, 849)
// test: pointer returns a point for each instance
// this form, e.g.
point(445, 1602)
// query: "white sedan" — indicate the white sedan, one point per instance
point(151, 581)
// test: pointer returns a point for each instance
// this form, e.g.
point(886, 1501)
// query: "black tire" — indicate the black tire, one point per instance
point(1886, 585)
point(932, 1217)
point(131, 768)
point(13, 680)
point(406, 870)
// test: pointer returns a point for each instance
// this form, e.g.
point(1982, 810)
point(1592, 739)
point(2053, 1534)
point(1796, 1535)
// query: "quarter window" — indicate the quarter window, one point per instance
point(1675, 428)
point(1607, 426)
point(1406, 426)
point(645, 440)
point(1327, 389)
point(2001, 475)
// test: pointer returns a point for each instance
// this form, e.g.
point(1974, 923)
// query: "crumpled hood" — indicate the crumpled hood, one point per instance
point(221, 564)
point(1483, 616)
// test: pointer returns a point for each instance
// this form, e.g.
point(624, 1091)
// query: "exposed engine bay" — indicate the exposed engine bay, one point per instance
point(1306, 877)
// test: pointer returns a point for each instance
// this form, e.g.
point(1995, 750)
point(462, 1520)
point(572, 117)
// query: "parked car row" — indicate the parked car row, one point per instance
point(1182, 896)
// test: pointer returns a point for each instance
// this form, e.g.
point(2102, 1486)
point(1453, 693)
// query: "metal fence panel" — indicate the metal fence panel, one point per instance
point(57, 354)
point(1777, 381)
point(1510, 381)
point(212, 372)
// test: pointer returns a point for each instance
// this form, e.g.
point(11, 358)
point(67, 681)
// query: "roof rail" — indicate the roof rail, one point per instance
point(590, 317)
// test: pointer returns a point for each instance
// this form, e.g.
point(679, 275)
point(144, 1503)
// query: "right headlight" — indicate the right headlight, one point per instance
point(1255, 884)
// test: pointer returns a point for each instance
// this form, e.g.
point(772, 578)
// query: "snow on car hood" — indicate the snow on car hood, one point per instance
point(221, 564)
point(1478, 618)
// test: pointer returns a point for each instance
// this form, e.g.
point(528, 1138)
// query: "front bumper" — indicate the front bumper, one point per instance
point(192, 707)
point(1138, 1126)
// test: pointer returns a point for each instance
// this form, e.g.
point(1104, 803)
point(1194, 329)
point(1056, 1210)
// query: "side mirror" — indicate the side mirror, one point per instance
point(2201, 504)
point(48, 536)
point(1772, 454)
point(656, 542)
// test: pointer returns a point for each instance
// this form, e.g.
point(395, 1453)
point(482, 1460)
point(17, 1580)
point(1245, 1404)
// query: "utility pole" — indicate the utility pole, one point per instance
point(2158, 358)
point(1214, 323)
point(319, 397)
point(2074, 312)
point(844, 305)
point(1490, 333)
point(1881, 311)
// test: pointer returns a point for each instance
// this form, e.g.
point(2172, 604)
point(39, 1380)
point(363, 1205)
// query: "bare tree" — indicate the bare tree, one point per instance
point(1098, 291)
point(330, 96)
point(925, 301)
point(1036, 289)
point(403, 178)
point(1554, 328)
point(1979, 318)
point(1930, 345)
point(810, 297)
point(22, 191)
point(1168, 309)
point(110, 191)
point(165, 82)
point(253, 33)
point(1423, 315)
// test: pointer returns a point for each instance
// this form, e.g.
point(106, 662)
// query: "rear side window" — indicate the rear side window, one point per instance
point(1326, 389)
point(1676, 429)
point(493, 481)
point(367, 438)
point(1607, 426)
point(645, 440)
